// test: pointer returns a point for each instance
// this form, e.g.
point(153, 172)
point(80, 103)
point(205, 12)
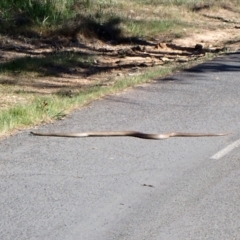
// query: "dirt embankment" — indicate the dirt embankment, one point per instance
point(104, 62)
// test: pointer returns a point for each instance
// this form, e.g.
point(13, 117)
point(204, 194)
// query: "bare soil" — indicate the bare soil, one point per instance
point(105, 62)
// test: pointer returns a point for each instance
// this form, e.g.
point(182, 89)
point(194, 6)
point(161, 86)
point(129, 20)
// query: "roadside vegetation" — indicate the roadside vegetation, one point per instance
point(58, 55)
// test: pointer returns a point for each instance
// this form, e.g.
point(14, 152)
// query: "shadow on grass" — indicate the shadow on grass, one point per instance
point(58, 61)
point(51, 64)
point(74, 63)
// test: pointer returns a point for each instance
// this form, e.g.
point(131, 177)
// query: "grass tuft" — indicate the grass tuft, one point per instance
point(22, 12)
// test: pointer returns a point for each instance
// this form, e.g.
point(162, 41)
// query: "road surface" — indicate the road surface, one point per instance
point(128, 188)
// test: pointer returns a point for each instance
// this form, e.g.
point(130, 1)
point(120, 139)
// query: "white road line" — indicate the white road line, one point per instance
point(226, 150)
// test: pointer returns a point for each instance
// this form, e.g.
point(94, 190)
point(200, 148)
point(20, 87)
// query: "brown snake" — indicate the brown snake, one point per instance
point(130, 134)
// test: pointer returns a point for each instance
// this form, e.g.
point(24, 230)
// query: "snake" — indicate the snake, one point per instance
point(129, 134)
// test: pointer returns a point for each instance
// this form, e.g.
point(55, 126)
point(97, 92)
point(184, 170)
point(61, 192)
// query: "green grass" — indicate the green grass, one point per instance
point(146, 28)
point(45, 109)
point(54, 106)
point(20, 15)
point(36, 11)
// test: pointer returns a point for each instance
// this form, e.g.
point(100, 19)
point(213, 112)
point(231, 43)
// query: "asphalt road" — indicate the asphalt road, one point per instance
point(128, 188)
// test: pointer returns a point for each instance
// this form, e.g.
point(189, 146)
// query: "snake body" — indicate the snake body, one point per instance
point(130, 134)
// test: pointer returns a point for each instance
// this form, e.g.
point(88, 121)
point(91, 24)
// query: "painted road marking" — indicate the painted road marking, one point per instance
point(226, 150)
